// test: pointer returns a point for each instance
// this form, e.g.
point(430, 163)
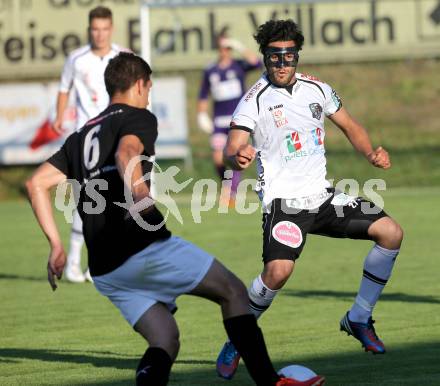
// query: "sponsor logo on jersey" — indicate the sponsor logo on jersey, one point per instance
point(271, 108)
point(293, 142)
point(311, 77)
point(287, 233)
point(316, 110)
point(253, 91)
point(279, 117)
point(317, 136)
point(336, 99)
point(296, 148)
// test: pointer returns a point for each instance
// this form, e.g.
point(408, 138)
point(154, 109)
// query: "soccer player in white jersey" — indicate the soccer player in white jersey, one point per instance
point(283, 113)
point(83, 74)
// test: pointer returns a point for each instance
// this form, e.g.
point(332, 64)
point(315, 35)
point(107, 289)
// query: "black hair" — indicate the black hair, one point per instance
point(278, 30)
point(123, 71)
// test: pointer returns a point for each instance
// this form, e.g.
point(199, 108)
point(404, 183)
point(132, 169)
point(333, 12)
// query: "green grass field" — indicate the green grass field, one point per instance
point(76, 337)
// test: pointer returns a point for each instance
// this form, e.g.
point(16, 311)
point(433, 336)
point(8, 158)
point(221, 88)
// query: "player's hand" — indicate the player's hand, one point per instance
point(232, 43)
point(380, 158)
point(245, 155)
point(58, 126)
point(55, 265)
point(205, 123)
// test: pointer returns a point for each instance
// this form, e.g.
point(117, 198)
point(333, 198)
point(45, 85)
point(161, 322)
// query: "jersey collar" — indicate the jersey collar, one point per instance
point(290, 90)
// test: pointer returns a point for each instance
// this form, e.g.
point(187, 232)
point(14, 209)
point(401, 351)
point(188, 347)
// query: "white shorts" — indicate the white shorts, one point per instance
point(159, 273)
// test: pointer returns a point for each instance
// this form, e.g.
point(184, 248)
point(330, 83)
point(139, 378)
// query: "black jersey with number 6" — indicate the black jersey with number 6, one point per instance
point(88, 156)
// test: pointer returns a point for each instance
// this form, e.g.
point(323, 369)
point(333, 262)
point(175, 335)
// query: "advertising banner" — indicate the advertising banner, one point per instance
point(36, 35)
point(27, 111)
point(26, 115)
point(335, 31)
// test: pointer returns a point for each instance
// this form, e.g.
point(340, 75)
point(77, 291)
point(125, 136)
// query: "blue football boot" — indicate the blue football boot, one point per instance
point(227, 361)
point(365, 333)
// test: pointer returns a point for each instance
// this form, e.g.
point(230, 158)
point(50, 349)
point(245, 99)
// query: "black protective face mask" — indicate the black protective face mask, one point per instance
point(276, 57)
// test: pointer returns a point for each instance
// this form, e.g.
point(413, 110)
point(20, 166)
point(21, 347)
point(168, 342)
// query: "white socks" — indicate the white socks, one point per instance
point(76, 241)
point(377, 270)
point(260, 297)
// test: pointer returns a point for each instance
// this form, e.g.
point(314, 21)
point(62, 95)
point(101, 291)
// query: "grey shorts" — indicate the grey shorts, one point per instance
point(159, 273)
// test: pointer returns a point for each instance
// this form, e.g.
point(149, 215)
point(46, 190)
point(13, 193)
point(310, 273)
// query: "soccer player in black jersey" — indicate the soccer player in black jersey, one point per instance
point(142, 270)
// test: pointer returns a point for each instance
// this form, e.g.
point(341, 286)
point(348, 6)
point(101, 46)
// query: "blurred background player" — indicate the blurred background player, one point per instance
point(83, 74)
point(224, 81)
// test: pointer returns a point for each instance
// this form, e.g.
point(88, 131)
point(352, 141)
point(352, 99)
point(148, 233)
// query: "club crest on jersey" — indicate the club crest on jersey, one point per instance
point(316, 110)
point(278, 115)
point(293, 142)
point(287, 233)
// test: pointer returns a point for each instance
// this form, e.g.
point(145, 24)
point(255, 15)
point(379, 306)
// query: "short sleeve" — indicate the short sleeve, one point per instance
point(204, 87)
point(67, 75)
point(246, 114)
point(142, 124)
point(332, 101)
point(61, 159)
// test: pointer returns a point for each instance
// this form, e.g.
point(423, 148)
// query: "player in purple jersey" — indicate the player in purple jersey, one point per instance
point(224, 81)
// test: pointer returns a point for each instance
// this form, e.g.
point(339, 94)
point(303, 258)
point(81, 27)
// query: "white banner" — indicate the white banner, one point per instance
point(169, 106)
point(27, 111)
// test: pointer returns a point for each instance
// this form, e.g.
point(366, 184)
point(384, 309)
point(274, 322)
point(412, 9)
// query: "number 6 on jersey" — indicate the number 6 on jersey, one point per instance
point(91, 148)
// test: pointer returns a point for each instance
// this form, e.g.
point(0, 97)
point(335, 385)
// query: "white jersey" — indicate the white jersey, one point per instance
point(84, 73)
point(288, 134)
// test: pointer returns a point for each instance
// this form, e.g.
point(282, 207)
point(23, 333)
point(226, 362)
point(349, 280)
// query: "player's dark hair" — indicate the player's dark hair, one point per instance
point(100, 13)
point(278, 30)
point(123, 71)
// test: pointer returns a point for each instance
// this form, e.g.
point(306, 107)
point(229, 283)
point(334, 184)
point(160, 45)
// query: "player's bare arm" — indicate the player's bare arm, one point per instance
point(360, 140)
point(238, 153)
point(62, 100)
point(38, 188)
point(129, 148)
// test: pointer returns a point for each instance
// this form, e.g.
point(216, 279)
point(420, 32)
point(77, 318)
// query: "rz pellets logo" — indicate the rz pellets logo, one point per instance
point(293, 142)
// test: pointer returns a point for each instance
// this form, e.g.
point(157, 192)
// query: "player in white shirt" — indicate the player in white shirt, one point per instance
point(283, 113)
point(83, 74)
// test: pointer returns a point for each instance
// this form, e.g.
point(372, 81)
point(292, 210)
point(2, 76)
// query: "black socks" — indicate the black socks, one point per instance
point(248, 339)
point(154, 368)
